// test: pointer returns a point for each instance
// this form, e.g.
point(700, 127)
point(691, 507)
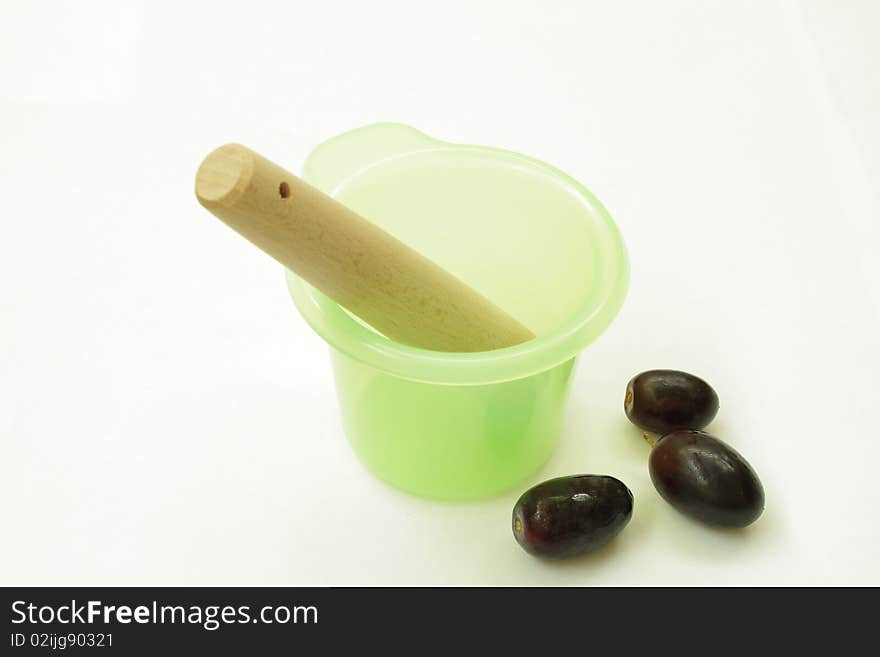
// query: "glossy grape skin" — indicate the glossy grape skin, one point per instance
point(661, 401)
point(705, 478)
point(572, 515)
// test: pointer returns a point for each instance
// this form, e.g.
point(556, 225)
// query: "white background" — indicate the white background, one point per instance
point(166, 417)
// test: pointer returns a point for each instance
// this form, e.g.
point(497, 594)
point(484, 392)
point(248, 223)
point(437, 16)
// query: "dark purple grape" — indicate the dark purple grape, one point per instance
point(661, 401)
point(571, 515)
point(706, 479)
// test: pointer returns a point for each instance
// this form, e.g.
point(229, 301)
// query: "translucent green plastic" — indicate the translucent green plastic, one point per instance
point(533, 240)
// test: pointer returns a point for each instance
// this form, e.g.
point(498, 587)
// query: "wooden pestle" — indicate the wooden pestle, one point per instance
point(377, 277)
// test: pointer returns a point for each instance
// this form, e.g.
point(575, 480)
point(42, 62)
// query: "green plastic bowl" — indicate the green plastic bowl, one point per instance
point(533, 240)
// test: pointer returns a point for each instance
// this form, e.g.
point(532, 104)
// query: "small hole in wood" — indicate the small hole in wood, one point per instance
point(284, 190)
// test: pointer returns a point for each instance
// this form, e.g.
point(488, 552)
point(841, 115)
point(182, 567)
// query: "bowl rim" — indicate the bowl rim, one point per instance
point(348, 336)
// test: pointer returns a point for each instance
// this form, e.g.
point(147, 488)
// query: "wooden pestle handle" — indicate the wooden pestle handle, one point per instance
point(377, 277)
